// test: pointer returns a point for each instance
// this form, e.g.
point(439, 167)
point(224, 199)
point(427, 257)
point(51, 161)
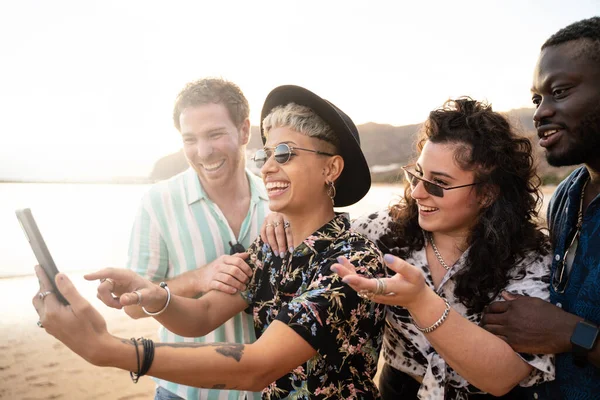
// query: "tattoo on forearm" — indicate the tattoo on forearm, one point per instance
point(233, 350)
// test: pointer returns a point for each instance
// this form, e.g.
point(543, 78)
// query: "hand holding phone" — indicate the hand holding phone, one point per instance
point(36, 241)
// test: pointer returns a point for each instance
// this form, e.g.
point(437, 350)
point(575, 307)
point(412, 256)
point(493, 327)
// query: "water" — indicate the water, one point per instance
point(87, 226)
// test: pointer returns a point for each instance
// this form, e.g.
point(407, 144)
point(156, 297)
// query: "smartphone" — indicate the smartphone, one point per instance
point(36, 241)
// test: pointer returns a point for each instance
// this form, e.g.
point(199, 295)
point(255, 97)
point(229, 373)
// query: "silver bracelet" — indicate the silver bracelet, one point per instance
point(164, 286)
point(437, 323)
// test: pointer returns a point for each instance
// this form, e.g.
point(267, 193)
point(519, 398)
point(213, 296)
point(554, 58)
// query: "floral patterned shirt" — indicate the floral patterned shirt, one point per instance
point(302, 292)
point(408, 350)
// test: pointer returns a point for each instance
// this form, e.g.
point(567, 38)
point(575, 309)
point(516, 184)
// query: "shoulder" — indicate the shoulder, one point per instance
point(168, 185)
point(373, 225)
point(531, 277)
point(562, 190)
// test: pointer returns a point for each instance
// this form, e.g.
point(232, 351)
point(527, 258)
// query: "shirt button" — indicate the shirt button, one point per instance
point(559, 305)
point(535, 395)
point(557, 257)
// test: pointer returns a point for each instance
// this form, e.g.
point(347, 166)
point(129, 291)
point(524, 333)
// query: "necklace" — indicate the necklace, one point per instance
point(437, 253)
point(580, 214)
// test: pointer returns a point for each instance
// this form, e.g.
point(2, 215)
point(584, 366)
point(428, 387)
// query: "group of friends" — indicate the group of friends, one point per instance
point(262, 290)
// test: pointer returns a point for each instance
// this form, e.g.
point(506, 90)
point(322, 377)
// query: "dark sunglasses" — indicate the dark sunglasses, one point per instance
point(432, 188)
point(236, 248)
point(282, 153)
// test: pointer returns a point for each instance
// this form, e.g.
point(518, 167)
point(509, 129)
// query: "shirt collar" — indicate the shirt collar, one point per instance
point(322, 238)
point(195, 192)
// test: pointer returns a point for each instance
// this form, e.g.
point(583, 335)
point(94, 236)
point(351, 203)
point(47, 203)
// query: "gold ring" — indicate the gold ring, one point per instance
point(276, 224)
point(267, 225)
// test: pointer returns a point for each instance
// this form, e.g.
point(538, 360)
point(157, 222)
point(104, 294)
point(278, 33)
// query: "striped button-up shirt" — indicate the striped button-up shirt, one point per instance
point(178, 229)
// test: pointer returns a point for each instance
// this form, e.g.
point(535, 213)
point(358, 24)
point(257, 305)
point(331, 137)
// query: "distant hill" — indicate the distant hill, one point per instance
point(386, 148)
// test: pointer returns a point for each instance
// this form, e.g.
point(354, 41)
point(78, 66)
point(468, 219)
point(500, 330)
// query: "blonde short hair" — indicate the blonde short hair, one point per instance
point(301, 119)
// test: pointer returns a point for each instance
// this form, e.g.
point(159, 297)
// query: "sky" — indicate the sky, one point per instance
point(87, 87)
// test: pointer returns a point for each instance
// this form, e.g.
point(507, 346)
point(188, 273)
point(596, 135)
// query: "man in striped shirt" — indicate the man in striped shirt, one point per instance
point(189, 228)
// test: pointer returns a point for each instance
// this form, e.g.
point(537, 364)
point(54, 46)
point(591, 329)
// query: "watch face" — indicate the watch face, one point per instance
point(585, 335)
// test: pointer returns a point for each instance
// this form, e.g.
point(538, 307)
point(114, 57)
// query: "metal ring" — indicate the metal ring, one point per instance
point(268, 225)
point(276, 224)
point(112, 282)
point(139, 297)
point(39, 324)
point(42, 295)
point(286, 224)
point(380, 286)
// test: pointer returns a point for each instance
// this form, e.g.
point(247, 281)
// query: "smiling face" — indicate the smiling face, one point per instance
point(566, 92)
point(298, 186)
point(455, 213)
point(212, 144)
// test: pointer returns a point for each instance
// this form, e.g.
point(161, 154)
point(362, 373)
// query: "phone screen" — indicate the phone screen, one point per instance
point(40, 250)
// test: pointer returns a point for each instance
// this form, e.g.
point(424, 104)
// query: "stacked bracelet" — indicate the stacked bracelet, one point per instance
point(164, 286)
point(437, 323)
point(148, 354)
point(135, 375)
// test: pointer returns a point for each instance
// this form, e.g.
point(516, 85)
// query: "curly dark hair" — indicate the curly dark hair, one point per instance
point(506, 228)
point(212, 90)
point(585, 29)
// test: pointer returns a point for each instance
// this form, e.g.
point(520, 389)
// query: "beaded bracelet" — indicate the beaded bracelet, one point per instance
point(164, 286)
point(437, 323)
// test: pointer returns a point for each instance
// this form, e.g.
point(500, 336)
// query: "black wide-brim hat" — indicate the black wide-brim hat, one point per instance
point(355, 180)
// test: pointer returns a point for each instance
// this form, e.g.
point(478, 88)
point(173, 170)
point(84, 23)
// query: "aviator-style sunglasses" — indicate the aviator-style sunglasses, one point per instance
point(432, 188)
point(282, 153)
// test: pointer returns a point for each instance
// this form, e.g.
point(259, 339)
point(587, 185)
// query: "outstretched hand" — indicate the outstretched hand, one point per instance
point(406, 288)
point(529, 324)
point(79, 325)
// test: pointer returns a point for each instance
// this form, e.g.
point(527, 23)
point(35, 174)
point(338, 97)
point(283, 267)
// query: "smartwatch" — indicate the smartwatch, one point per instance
point(583, 339)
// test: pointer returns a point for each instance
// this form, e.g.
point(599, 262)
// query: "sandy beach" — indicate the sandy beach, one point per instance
point(34, 365)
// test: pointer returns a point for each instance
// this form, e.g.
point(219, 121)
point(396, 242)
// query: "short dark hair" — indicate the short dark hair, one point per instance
point(212, 90)
point(586, 30)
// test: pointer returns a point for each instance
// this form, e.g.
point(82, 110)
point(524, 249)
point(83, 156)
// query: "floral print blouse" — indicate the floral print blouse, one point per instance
point(301, 291)
point(408, 350)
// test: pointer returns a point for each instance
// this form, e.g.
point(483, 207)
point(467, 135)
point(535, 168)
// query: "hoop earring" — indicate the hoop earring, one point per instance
point(331, 192)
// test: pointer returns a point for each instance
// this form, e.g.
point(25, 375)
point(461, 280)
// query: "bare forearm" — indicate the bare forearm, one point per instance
point(206, 365)
point(483, 359)
point(198, 317)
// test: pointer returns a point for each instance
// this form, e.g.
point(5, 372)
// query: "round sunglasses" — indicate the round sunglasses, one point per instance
point(282, 154)
point(432, 188)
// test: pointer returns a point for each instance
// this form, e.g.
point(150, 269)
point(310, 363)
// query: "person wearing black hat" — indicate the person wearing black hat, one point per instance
point(317, 337)
point(465, 231)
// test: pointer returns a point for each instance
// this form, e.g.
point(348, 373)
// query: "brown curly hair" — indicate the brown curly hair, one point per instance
point(507, 228)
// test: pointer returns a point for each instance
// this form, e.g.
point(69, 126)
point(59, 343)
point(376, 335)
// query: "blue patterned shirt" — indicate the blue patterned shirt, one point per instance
point(582, 293)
